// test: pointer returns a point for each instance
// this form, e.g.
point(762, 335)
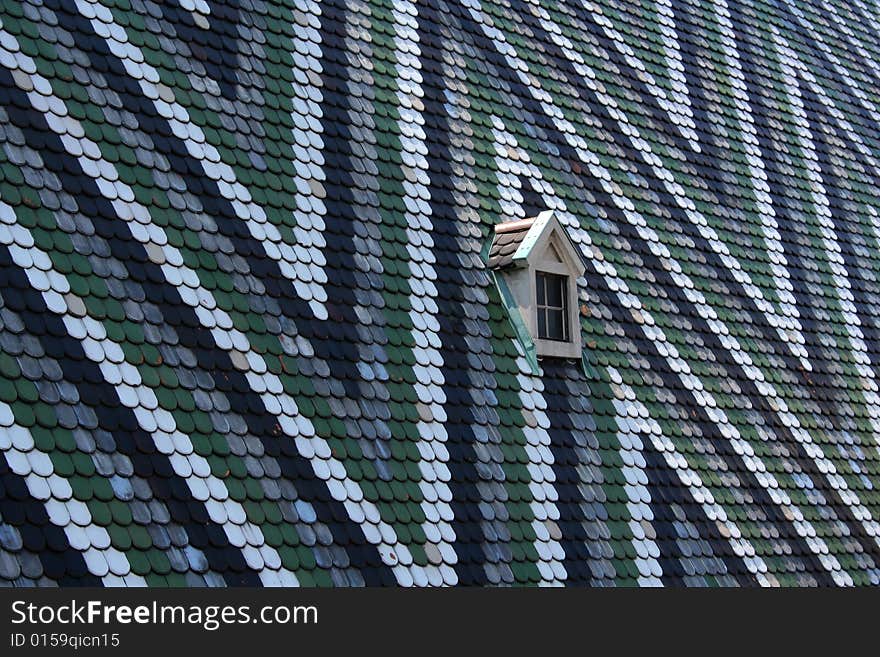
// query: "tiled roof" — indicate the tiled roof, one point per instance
point(248, 334)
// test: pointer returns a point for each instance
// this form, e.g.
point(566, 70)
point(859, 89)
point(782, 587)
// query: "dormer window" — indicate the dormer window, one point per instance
point(538, 267)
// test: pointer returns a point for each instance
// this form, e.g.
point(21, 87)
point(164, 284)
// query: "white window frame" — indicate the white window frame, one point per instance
point(550, 280)
point(570, 348)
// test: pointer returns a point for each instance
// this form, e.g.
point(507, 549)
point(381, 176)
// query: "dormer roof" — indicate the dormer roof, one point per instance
point(525, 241)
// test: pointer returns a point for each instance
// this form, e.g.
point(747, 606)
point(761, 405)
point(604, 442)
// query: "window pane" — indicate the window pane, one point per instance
point(542, 323)
point(555, 325)
point(540, 284)
point(555, 290)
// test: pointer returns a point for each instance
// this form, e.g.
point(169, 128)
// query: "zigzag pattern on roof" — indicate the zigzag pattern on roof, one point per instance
point(248, 335)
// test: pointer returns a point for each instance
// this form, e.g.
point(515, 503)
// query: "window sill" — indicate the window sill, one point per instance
point(556, 349)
